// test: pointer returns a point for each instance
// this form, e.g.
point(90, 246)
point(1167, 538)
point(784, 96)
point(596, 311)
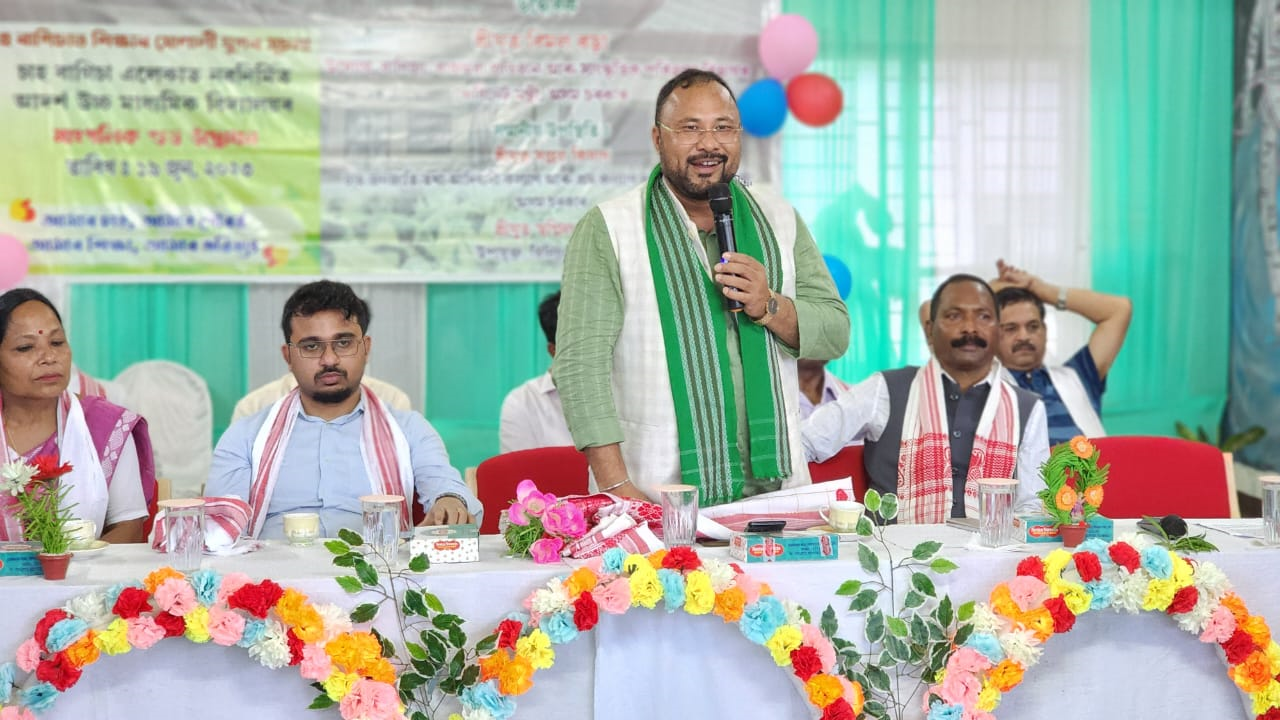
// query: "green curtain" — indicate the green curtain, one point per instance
point(1161, 179)
point(863, 182)
point(482, 341)
point(200, 326)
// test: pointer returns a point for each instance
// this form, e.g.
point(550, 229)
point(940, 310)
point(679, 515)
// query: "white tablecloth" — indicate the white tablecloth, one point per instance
point(649, 664)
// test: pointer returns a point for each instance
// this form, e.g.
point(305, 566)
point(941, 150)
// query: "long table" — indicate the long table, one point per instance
point(651, 664)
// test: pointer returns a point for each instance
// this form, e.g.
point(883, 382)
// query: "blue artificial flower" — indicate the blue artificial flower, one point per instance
point(113, 592)
point(205, 582)
point(559, 627)
point(761, 618)
point(484, 696)
point(7, 672)
point(1157, 562)
point(1102, 591)
point(65, 633)
point(942, 711)
point(253, 632)
point(1097, 547)
point(38, 697)
point(672, 588)
point(988, 645)
point(612, 560)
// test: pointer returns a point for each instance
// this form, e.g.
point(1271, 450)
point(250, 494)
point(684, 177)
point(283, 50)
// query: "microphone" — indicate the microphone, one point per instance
point(722, 209)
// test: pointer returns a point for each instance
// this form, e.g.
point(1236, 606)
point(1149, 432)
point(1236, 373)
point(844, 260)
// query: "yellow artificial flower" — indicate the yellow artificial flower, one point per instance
point(646, 588)
point(785, 639)
point(308, 624)
point(491, 665)
point(1076, 597)
point(157, 578)
point(353, 650)
point(1039, 621)
point(1002, 602)
point(1273, 655)
point(1183, 574)
point(83, 651)
point(580, 581)
point(635, 561)
point(1267, 698)
point(197, 624)
point(516, 677)
point(115, 639)
point(338, 684)
point(823, 689)
point(1254, 674)
point(1159, 594)
point(699, 597)
point(656, 557)
point(381, 670)
point(536, 648)
point(1054, 563)
point(989, 698)
point(1256, 627)
point(1006, 675)
point(729, 604)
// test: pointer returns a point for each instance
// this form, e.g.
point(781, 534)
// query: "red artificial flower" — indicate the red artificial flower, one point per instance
point(257, 599)
point(1063, 618)
point(1183, 600)
point(50, 619)
point(132, 602)
point(58, 671)
point(295, 647)
point(1032, 567)
point(681, 558)
point(1088, 565)
point(508, 633)
point(805, 662)
point(838, 710)
point(1123, 554)
point(1238, 647)
point(47, 468)
point(1272, 713)
point(585, 612)
point(172, 624)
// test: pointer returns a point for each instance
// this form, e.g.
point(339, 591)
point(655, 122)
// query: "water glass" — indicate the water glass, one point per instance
point(183, 532)
point(679, 514)
point(382, 523)
point(995, 511)
point(1270, 508)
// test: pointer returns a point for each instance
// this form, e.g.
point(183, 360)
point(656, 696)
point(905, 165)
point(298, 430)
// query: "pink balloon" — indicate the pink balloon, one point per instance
point(814, 99)
point(788, 45)
point(13, 262)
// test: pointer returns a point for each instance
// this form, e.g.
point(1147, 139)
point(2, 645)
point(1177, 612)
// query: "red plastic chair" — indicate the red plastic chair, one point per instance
point(1160, 476)
point(845, 464)
point(557, 470)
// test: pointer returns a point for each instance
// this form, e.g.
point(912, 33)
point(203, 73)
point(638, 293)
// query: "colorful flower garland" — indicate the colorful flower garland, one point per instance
point(1134, 576)
point(616, 582)
point(279, 627)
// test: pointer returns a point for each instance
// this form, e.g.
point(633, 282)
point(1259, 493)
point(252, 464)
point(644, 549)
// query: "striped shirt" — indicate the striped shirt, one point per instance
point(1061, 426)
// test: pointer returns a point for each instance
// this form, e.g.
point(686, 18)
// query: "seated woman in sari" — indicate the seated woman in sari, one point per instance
point(113, 473)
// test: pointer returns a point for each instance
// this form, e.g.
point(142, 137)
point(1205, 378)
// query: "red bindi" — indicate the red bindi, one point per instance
point(40, 332)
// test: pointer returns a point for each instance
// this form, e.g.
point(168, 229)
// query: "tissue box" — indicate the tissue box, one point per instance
point(447, 543)
point(18, 558)
point(1040, 529)
point(781, 547)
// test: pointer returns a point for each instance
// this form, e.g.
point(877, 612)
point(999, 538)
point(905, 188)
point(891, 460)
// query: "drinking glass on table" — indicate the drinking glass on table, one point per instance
point(679, 514)
point(1270, 508)
point(995, 511)
point(382, 523)
point(183, 532)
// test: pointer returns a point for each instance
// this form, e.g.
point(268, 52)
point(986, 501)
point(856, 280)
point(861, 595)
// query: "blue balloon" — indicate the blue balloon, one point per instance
point(840, 274)
point(763, 107)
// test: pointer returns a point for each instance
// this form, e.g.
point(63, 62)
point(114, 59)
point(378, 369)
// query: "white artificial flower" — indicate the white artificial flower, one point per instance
point(792, 609)
point(1021, 646)
point(1130, 592)
point(720, 573)
point(476, 714)
point(336, 620)
point(1194, 620)
point(1211, 581)
point(15, 476)
point(91, 608)
point(984, 620)
point(551, 599)
point(272, 650)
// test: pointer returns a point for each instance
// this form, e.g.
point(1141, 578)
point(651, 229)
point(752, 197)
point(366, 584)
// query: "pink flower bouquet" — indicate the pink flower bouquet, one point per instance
point(540, 524)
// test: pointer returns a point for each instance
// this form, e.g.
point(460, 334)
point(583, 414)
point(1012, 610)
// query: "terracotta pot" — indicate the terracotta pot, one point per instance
point(1073, 534)
point(54, 566)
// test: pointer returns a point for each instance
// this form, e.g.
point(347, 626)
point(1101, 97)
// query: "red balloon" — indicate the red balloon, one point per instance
point(814, 99)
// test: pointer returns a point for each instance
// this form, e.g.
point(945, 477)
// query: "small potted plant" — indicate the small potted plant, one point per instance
point(1073, 487)
point(43, 510)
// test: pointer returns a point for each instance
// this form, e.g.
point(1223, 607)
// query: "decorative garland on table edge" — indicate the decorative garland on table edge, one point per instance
point(1007, 632)
point(279, 627)
point(679, 579)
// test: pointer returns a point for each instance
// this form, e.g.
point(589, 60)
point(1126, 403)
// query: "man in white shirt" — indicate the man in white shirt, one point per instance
point(531, 414)
point(931, 432)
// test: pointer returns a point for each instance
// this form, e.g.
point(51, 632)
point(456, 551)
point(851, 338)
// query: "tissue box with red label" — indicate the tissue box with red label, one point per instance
point(1041, 529)
point(783, 547)
point(447, 543)
point(18, 558)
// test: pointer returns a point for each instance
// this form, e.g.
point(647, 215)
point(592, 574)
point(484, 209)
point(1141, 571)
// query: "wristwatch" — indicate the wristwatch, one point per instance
point(770, 309)
point(1062, 298)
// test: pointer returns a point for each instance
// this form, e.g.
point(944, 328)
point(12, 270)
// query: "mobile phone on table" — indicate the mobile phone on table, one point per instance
point(766, 526)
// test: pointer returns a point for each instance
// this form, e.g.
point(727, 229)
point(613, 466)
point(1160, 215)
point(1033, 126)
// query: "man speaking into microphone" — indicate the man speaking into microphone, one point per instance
point(661, 380)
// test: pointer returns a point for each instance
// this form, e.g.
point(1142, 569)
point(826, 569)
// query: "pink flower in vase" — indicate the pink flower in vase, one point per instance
point(546, 550)
point(564, 519)
point(533, 501)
